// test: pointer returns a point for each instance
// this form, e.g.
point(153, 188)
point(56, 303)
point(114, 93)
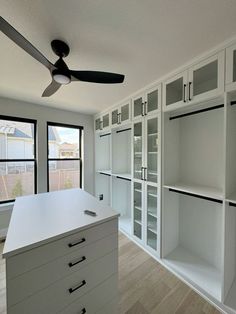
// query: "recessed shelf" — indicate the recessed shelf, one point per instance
point(196, 189)
point(195, 269)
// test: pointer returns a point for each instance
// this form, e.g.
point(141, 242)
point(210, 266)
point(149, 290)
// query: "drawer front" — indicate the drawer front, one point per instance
point(97, 298)
point(37, 279)
point(28, 260)
point(69, 289)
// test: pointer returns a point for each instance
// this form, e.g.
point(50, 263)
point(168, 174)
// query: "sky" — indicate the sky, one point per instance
point(68, 135)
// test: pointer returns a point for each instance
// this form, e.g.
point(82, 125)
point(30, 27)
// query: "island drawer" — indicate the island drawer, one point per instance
point(98, 300)
point(25, 261)
point(41, 277)
point(62, 293)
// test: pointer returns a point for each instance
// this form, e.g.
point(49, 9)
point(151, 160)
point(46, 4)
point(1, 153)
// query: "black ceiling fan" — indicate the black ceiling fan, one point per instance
point(60, 72)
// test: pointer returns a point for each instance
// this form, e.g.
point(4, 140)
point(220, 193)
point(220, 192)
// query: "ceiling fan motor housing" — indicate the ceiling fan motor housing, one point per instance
point(60, 48)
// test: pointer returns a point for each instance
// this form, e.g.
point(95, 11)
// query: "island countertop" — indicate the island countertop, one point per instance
point(42, 218)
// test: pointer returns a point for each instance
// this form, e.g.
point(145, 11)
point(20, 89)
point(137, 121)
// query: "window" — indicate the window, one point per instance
point(17, 158)
point(64, 156)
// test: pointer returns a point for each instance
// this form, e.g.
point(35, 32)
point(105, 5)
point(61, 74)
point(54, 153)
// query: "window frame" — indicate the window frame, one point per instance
point(71, 126)
point(34, 160)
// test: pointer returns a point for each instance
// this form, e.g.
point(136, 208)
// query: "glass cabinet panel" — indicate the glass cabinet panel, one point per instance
point(152, 216)
point(152, 101)
point(137, 208)
point(125, 112)
point(98, 124)
point(114, 116)
point(138, 150)
point(234, 66)
point(205, 78)
point(138, 107)
point(105, 120)
point(174, 91)
point(152, 149)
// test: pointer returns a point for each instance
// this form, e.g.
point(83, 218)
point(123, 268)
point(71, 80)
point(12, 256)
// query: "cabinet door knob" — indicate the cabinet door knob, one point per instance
point(80, 285)
point(77, 243)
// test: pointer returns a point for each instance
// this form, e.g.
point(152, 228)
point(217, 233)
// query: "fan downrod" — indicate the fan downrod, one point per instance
point(60, 48)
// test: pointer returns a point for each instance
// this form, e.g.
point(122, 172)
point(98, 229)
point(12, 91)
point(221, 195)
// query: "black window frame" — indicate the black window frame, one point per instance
point(34, 160)
point(71, 126)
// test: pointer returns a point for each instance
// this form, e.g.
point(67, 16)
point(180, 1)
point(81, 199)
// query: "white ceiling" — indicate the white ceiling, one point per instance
point(143, 39)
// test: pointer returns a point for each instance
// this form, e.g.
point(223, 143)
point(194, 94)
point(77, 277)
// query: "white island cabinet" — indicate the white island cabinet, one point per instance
point(60, 260)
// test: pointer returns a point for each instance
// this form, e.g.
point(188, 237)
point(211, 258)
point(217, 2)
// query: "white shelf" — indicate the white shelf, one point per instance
point(138, 222)
point(138, 207)
point(152, 153)
point(153, 134)
point(195, 269)
point(152, 195)
point(122, 175)
point(137, 190)
point(153, 173)
point(196, 189)
point(125, 224)
point(232, 198)
point(152, 229)
point(107, 171)
point(150, 213)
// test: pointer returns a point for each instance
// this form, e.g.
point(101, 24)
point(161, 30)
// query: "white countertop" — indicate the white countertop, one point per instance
point(42, 218)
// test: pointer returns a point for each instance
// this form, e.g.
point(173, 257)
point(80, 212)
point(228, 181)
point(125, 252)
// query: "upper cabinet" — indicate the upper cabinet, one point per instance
point(147, 103)
point(121, 114)
point(202, 81)
point(102, 122)
point(231, 68)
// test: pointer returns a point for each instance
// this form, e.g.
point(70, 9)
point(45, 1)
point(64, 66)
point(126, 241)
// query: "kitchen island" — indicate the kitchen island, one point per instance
point(59, 259)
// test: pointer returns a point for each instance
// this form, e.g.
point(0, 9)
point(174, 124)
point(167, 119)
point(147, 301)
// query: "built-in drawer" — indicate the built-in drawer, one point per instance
point(39, 278)
point(97, 300)
point(62, 293)
point(28, 260)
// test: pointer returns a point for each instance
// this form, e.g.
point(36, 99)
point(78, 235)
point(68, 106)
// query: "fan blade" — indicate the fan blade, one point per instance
point(51, 89)
point(22, 42)
point(97, 77)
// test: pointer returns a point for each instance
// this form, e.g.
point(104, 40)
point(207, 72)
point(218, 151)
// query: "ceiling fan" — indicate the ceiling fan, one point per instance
point(61, 74)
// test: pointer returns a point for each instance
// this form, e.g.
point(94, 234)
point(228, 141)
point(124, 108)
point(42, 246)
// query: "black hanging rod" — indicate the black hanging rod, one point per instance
point(123, 178)
point(232, 204)
point(196, 112)
point(105, 174)
point(119, 131)
point(233, 103)
point(105, 134)
point(198, 196)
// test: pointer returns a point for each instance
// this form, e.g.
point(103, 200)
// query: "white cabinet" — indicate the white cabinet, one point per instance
point(146, 181)
point(202, 81)
point(147, 103)
point(231, 68)
point(121, 114)
point(102, 122)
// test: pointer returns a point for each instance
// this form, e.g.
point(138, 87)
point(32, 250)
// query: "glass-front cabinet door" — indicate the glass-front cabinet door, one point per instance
point(138, 209)
point(153, 100)
point(138, 144)
point(98, 124)
point(125, 112)
point(151, 216)
point(138, 107)
point(231, 67)
point(115, 116)
point(151, 149)
point(105, 121)
point(206, 79)
point(175, 91)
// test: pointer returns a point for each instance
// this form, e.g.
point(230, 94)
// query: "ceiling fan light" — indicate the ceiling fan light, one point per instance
point(61, 77)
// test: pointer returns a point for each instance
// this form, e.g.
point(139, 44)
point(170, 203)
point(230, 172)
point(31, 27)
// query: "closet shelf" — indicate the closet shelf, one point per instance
point(196, 189)
point(196, 270)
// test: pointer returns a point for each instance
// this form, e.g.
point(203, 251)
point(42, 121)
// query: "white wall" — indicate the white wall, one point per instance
point(42, 114)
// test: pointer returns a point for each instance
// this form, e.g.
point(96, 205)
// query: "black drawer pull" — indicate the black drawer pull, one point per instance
point(83, 311)
point(83, 282)
point(83, 258)
point(76, 243)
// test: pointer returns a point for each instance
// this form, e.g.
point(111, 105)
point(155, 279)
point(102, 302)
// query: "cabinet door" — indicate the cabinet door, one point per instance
point(175, 91)
point(138, 107)
point(115, 117)
point(153, 100)
point(125, 113)
point(206, 79)
point(138, 150)
point(98, 123)
point(105, 121)
point(138, 209)
point(231, 66)
point(151, 149)
point(151, 197)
